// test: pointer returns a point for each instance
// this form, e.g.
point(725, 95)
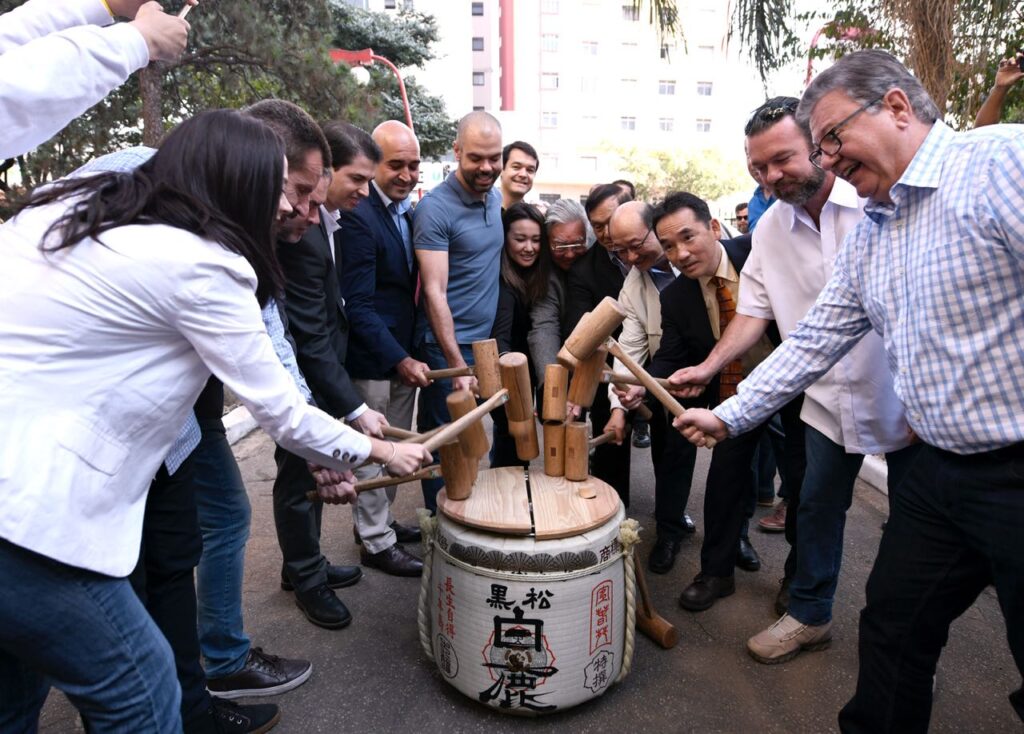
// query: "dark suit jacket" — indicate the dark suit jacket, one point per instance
point(379, 289)
point(591, 278)
point(686, 337)
point(317, 320)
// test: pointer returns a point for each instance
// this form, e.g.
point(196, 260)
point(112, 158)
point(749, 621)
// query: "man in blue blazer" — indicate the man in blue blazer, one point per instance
point(378, 280)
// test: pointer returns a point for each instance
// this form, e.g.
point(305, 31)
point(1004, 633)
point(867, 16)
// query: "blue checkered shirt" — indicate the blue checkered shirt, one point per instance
point(939, 273)
point(129, 159)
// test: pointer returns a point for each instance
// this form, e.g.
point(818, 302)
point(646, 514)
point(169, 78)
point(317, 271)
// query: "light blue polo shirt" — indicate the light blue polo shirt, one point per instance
point(451, 219)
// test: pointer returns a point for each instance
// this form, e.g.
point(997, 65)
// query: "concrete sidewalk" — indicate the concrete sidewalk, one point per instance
point(373, 677)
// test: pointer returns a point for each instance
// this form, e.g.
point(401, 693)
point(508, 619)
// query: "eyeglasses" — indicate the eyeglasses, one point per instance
point(830, 144)
point(636, 246)
point(576, 245)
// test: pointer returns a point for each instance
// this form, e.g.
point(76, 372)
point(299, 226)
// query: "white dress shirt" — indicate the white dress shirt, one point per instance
point(854, 403)
point(56, 61)
point(103, 351)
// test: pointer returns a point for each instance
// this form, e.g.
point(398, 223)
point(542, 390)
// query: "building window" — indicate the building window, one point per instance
point(478, 43)
point(629, 46)
point(478, 108)
point(590, 48)
point(666, 124)
point(588, 84)
point(588, 162)
point(589, 120)
point(549, 198)
point(548, 42)
point(627, 123)
point(549, 119)
point(478, 9)
point(703, 125)
point(703, 89)
point(549, 81)
point(628, 83)
point(478, 78)
point(389, 4)
point(550, 160)
point(630, 12)
point(666, 51)
point(549, 6)
point(667, 86)
point(705, 53)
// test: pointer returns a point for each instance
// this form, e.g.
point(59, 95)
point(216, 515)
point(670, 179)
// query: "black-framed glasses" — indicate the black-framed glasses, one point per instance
point(830, 144)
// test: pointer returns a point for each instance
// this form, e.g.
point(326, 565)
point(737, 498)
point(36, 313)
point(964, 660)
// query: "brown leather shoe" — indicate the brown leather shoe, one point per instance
point(775, 522)
point(394, 560)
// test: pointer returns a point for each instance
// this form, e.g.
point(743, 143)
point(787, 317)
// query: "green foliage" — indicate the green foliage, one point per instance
point(705, 173)
point(765, 31)
point(242, 51)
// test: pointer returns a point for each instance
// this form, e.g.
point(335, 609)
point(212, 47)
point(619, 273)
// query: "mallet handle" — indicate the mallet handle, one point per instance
point(456, 427)
point(399, 433)
point(603, 438)
point(448, 372)
point(617, 378)
point(428, 472)
point(646, 380)
point(648, 620)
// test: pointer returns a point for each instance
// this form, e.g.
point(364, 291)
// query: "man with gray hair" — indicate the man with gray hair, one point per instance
point(937, 268)
point(570, 236)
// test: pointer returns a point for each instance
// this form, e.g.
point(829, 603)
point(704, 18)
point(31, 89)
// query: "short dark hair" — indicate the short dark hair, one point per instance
point(347, 141)
point(296, 128)
point(217, 175)
point(771, 112)
point(742, 205)
point(625, 186)
point(677, 200)
point(602, 193)
point(519, 145)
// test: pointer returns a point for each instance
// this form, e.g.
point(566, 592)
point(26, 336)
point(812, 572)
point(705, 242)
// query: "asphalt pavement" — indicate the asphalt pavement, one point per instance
point(373, 677)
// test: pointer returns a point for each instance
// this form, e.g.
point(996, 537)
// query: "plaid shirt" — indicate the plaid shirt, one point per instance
point(939, 273)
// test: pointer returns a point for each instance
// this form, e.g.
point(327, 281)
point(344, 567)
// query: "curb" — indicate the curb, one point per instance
point(238, 424)
point(875, 473)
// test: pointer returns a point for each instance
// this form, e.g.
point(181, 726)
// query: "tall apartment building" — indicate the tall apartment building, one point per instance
point(582, 79)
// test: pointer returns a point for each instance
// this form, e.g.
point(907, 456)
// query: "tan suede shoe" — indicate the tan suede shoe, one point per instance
point(786, 639)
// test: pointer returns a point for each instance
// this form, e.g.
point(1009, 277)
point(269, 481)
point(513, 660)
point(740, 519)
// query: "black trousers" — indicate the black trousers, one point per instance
point(674, 458)
point(164, 580)
point(727, 497)
point(794, 458)
point(954, 528)
point(297, 521)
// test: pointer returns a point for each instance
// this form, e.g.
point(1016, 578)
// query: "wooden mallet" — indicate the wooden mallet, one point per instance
point(515, 376)
point(485, 368)
point(596, 330)
point(577, 450)
point(648, 621)
point(428, 472)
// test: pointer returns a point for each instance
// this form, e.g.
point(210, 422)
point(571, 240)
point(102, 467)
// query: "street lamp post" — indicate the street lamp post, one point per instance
point(366, 57)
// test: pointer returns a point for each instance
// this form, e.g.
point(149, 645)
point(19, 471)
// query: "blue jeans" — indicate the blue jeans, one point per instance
point(433, 408)
point(825, 497)
point(224, 515)
point(88, 635)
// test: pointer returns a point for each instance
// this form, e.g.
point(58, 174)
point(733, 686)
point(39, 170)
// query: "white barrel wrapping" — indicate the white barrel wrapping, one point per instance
point(528, 626)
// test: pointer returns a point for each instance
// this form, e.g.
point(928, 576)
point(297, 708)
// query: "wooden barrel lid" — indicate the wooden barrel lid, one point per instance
point(500, 502)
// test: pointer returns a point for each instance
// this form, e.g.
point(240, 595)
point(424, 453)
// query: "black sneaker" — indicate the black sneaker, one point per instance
point(262, 675)
point(254, 718)
point(641, 434)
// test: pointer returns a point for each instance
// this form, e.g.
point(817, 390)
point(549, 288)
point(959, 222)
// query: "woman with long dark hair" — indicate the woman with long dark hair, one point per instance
point(525, 269)
point(119, 294)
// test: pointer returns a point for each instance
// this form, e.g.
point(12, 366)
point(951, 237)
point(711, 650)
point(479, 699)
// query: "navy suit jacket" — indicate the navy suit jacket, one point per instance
point(379, 289)
point(686, 338)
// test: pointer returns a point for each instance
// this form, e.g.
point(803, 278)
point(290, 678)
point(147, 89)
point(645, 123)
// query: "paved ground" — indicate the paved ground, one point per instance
point(373, 677)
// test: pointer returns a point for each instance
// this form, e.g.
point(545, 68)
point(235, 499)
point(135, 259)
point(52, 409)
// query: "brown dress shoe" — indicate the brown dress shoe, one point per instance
point(775, 522)
point(394, 560)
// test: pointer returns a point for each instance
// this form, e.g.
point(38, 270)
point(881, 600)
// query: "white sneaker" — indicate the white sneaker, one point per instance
point(785, 639)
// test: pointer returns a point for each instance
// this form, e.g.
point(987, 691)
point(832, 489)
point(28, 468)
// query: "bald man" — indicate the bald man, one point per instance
point(377, 274)
point(458, 238)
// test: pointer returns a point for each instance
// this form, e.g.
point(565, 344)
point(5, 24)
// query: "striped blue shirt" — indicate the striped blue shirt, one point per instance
point(939, 273)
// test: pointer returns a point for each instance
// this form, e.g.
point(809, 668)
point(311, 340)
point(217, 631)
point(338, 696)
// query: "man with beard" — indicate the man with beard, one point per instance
point(458, 236)
point(850, 411)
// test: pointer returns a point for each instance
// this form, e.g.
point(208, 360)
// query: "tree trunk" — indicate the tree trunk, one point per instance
point(151, 90)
